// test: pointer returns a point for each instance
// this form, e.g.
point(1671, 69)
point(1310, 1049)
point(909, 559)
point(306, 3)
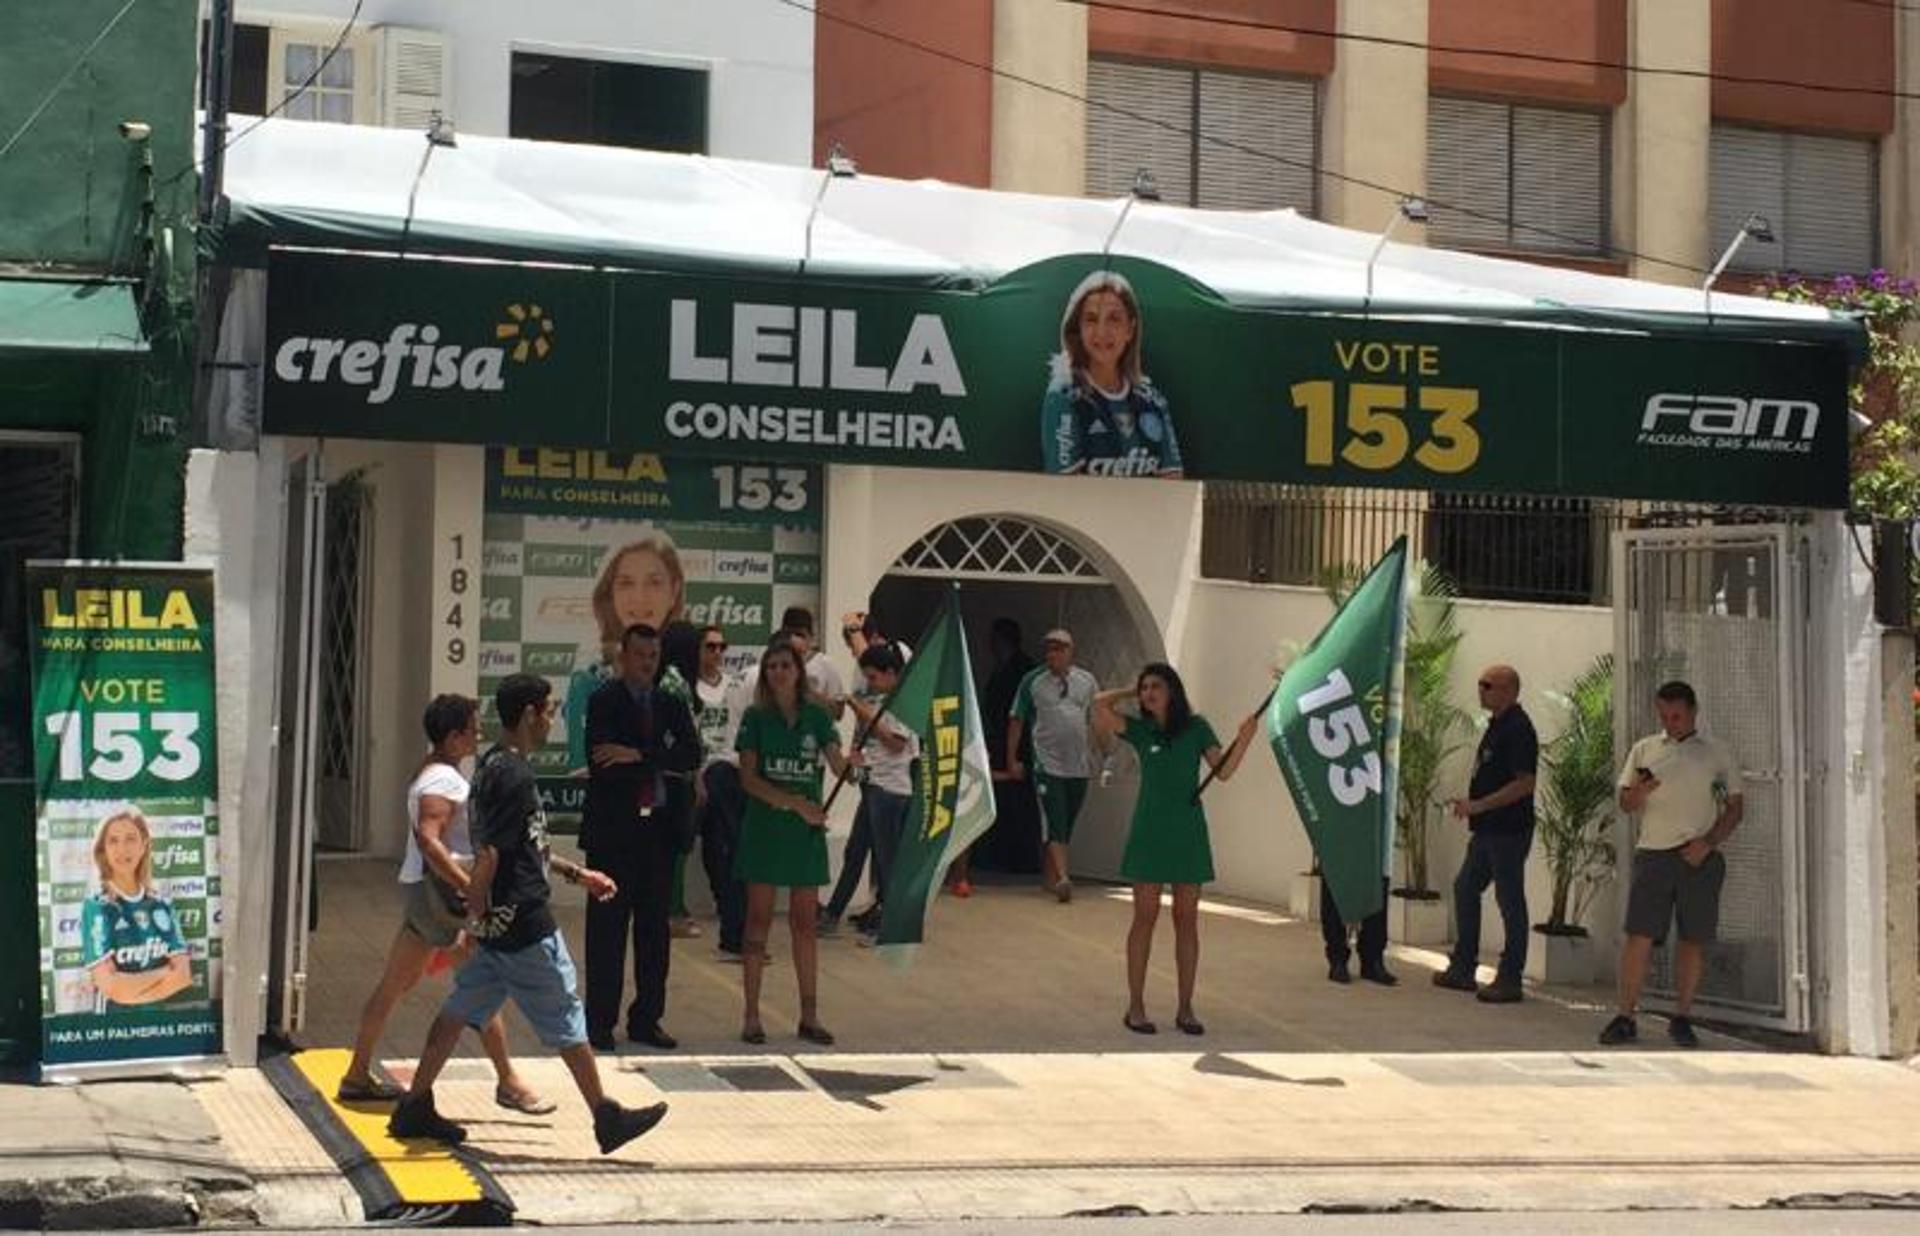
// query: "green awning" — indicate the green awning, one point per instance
point(54, 317)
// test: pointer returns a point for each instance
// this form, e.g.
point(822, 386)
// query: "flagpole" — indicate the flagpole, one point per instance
point(1214, 771)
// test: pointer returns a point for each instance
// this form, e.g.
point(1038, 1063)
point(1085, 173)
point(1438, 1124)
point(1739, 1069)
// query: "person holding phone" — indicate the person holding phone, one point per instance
point(1685, 789)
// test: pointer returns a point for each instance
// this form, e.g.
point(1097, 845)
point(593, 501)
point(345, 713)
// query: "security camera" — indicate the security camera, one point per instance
point(135, 130)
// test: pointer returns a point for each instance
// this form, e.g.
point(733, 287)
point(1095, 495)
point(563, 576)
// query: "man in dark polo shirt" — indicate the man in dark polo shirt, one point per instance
point(1499, 812)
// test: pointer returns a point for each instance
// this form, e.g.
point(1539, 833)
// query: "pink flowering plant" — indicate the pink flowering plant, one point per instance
point(1886, 480)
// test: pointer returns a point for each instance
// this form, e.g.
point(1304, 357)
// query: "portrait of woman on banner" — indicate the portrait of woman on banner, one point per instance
point(641, 582)
point(132, 945)
point(1102, 416)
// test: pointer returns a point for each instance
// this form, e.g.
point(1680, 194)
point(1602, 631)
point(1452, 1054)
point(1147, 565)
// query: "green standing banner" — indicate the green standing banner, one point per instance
point(952, 803)
point(1334, 724)
point(124, 727)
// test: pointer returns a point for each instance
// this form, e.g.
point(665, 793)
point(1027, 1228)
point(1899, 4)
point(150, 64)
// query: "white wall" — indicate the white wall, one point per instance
point(235, 508)
point(1237, 631)
point(759, 53)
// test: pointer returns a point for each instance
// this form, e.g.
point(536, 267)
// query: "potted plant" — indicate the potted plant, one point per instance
point(1576, 811)
point(1432, 728)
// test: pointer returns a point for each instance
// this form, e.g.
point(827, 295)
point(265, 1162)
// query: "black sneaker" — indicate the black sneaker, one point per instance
point(1680, 1030)
point(1380, 975)
point(1501, 991)
point(415, 1118)
point(614, 1126)
point(1620, 1030)
point(1337, 972)
point(1453, 980)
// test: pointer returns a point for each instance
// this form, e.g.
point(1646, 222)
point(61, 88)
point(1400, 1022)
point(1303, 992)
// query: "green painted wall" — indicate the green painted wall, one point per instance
point(73, 199)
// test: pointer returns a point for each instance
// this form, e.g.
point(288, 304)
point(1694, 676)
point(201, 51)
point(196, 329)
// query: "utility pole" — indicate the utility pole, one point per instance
point(215, 98)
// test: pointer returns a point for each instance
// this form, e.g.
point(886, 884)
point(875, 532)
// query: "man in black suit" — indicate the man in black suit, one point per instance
point(637, 737)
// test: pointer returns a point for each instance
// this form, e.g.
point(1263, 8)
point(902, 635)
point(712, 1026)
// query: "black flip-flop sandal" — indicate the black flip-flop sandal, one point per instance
point(816, 1034)
point(755, 1036)
point(1189, 1025)
point(1143, 1027)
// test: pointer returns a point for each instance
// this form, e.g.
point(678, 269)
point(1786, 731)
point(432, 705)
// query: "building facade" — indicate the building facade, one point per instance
point(97, 278)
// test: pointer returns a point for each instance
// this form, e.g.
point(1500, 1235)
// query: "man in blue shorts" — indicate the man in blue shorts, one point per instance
point(522, 954)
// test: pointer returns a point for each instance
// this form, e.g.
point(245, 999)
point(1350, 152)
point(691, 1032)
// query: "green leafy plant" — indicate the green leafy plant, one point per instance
point(1432, 726)
point(1577, 798)
point(1886, 480)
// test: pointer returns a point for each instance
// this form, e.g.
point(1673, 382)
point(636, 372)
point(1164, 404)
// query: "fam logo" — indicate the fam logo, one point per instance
point(414, 355)
point(1730, 423)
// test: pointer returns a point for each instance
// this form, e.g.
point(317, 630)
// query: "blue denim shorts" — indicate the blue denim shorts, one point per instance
point(540, 980)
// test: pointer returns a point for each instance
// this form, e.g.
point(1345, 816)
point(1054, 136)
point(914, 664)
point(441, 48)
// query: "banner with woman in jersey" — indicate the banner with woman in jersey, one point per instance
point(128, 830)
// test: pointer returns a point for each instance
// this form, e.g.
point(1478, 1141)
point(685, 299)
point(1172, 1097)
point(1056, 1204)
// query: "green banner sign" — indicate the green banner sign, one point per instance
point(581, 542)
point(128, 856)
point(1334, 723)
point(1117, 368)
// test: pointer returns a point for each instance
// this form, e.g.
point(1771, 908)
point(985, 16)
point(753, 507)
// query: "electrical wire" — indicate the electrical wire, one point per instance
point(47, 100)
point(339, 41)
point(1385, 40)
point(1240, 148)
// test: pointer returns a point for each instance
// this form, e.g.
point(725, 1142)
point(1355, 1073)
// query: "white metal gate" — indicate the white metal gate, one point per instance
point(297, 697)
point(1726, 608)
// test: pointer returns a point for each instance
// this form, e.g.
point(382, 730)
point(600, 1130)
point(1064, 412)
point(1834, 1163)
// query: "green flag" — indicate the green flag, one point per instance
point(1335, 728)
point(953, 792)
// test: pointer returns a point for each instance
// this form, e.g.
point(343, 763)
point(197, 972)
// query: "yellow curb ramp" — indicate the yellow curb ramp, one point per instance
point(409, 1183)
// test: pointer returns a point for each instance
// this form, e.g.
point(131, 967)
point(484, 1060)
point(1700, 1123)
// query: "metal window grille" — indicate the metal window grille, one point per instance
point(997, 547)
point(39, 507)
point(346, 598)
point(1493, 546)
point(1223, 141)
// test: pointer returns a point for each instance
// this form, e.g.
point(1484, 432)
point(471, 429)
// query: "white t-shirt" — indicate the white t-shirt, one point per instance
point(887, 770)
point(1697, 775)
point(441, 781)
point(823, 680)
point(722, 704)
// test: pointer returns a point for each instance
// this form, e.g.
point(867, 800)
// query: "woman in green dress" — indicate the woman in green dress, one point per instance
point(785, 741)
point(1167, 843)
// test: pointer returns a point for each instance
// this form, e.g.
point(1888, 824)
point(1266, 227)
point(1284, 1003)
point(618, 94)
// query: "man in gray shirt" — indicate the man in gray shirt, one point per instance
point(1055, 701)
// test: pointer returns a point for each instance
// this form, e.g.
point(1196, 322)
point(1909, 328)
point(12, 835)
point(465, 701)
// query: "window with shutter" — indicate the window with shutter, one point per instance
point(1507, 176)
point(1231, 141)
point(1820, 193)
point(39, 507)
point(413, 77)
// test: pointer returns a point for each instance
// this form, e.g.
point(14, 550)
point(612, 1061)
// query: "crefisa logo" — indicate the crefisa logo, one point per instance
point(414, 355)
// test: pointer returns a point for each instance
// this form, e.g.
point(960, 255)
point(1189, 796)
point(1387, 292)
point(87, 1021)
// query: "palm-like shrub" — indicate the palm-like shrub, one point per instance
point(1577, 798)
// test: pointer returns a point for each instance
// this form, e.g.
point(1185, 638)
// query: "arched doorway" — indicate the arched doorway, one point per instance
point(1042, 576)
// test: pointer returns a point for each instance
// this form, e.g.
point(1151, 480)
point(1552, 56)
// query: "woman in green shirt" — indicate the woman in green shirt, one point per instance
point(785, 740)
point(1167, 843)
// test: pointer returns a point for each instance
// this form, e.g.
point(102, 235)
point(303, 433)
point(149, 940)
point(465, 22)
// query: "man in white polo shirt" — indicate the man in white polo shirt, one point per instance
point(1054, 702)
point(1685, 787)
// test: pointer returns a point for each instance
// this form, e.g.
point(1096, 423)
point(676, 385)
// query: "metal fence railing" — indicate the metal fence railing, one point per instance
point(1493, 546)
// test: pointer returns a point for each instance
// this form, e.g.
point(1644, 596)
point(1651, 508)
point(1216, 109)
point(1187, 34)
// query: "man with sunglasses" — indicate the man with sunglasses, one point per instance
point(719, 800)
point(1499, 812)
point(1055, 702)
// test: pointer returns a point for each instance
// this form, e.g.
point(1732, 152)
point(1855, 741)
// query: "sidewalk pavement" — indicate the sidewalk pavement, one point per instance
point(116, 1155)
point(996, 1081)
